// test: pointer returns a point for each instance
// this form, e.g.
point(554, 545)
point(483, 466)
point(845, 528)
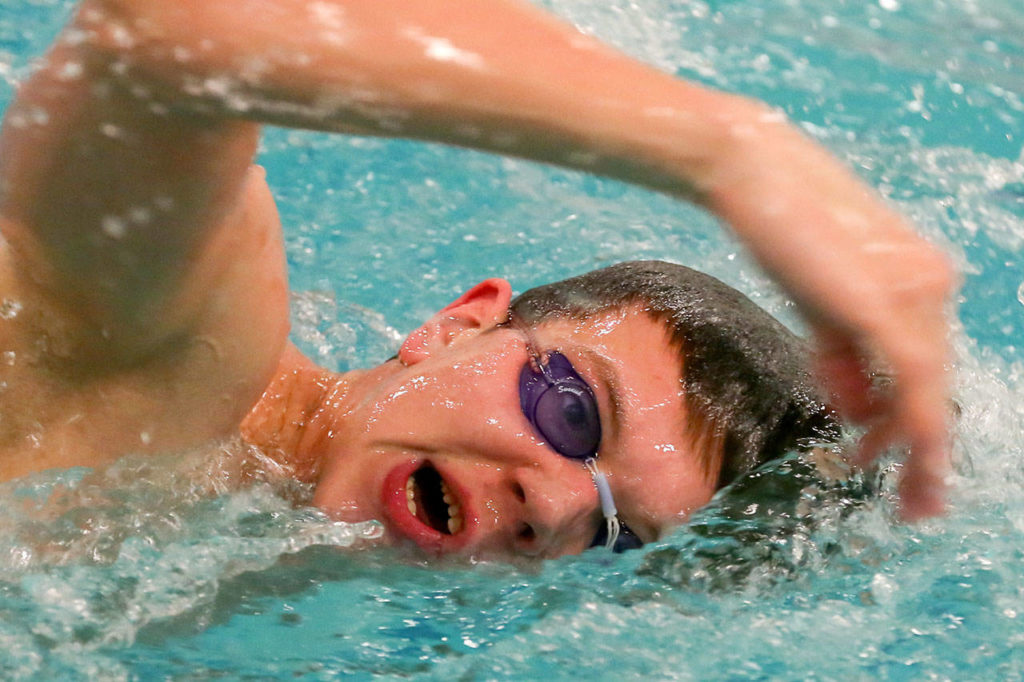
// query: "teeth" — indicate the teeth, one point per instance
point(455, 520)
point(410, 496)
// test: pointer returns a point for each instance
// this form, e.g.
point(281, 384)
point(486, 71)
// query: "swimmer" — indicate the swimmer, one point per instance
point(147, 298)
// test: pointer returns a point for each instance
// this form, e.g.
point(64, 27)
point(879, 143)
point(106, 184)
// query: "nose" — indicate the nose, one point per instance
point(554, 506)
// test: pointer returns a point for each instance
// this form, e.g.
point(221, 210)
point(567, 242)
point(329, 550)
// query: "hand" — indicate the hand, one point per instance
point(904, 331)
point(874, 292)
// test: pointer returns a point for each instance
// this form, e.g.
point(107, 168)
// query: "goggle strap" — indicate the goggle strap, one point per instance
point(604, 492)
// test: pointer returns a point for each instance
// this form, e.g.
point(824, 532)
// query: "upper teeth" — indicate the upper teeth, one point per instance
point(455, 520)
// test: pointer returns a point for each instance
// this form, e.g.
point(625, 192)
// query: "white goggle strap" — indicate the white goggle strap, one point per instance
point(604, 492)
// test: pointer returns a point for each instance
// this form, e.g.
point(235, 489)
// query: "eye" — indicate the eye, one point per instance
point(561, 407)
point(627, 539)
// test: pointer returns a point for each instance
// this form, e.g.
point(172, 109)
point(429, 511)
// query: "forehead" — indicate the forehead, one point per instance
point(657, 472)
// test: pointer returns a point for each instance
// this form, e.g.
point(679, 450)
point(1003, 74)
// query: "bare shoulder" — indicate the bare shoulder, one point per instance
point(63, 404)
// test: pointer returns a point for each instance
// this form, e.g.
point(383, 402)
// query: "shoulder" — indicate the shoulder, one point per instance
point(64, 393)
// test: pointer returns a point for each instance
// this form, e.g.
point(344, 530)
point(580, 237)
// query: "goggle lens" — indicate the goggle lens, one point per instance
point(561, 407)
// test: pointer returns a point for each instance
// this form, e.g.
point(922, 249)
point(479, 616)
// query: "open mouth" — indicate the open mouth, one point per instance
point(431, 502)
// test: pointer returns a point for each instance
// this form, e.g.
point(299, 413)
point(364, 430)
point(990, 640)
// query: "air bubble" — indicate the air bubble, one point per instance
point(1020, 293)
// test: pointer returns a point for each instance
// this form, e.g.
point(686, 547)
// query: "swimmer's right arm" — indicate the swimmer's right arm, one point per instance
point(143, 256)
point(127, 214)
point(502, 76)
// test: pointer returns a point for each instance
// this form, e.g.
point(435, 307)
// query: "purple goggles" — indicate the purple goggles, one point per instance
point(562, 408)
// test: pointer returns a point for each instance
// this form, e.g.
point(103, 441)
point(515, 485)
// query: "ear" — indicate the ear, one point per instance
point(479, 309)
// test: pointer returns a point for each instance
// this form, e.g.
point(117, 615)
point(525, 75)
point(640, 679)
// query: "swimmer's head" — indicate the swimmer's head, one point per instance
point(744, 375)
point(614, 403)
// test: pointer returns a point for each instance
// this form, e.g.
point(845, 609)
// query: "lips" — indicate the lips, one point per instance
point(426, 507)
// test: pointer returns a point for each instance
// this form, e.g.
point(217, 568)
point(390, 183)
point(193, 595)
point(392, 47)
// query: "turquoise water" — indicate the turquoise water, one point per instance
point(140, 573)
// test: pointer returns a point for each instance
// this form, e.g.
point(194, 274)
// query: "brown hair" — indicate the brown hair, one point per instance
point(744, 375)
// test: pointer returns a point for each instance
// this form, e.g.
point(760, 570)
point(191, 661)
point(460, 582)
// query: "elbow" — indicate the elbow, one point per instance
point(149, 42)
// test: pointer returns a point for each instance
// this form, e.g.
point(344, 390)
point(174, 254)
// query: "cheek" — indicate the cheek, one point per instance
point(348, 488)
point(677, 490)
point(672, 479)
point(458, 394)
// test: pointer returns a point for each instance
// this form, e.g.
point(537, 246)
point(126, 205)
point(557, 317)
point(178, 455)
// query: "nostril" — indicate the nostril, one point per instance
point(518, 491)
point(526, 533)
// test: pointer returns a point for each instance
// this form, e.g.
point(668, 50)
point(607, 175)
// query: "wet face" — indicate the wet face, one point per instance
point(440, 451)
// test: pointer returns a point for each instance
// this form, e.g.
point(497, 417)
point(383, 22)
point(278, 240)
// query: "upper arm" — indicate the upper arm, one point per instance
point(111, 200)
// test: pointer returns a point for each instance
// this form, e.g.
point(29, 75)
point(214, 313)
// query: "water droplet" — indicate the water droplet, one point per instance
point(110, 130)
point(121, 36)
point(1020, 293)
point(9, 309)
point(219, 86)
point(69, 71)
point(9, 357)
point(140, 215)
point(74, 36)
point(762, 63)
point(113, 227)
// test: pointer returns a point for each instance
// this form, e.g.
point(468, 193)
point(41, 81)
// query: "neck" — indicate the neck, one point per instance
point(280, 420)
point(299, 410)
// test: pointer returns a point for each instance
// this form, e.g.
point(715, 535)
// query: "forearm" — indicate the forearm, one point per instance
point(495, 75)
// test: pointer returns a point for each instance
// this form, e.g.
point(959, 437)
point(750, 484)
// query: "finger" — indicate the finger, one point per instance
point(844, 376)
point(928, 466)
point(922, 492)
point(921, 406)
point(875, 441)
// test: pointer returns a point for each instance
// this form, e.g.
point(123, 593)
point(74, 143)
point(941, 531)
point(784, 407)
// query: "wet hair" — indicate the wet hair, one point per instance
point(747, 391)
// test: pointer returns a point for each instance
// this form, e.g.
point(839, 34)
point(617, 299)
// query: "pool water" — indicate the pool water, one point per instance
point(141, 572)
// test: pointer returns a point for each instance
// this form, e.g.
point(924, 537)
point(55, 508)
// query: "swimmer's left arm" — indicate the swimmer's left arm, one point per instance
point(497, 75)
point(502, 76)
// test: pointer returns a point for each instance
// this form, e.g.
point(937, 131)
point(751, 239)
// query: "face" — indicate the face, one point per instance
point(441, 452)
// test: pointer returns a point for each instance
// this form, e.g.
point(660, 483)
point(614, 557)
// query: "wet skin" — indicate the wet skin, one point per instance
point(450, 404)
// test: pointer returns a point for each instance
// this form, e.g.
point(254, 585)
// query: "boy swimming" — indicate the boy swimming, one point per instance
point(144, 261)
